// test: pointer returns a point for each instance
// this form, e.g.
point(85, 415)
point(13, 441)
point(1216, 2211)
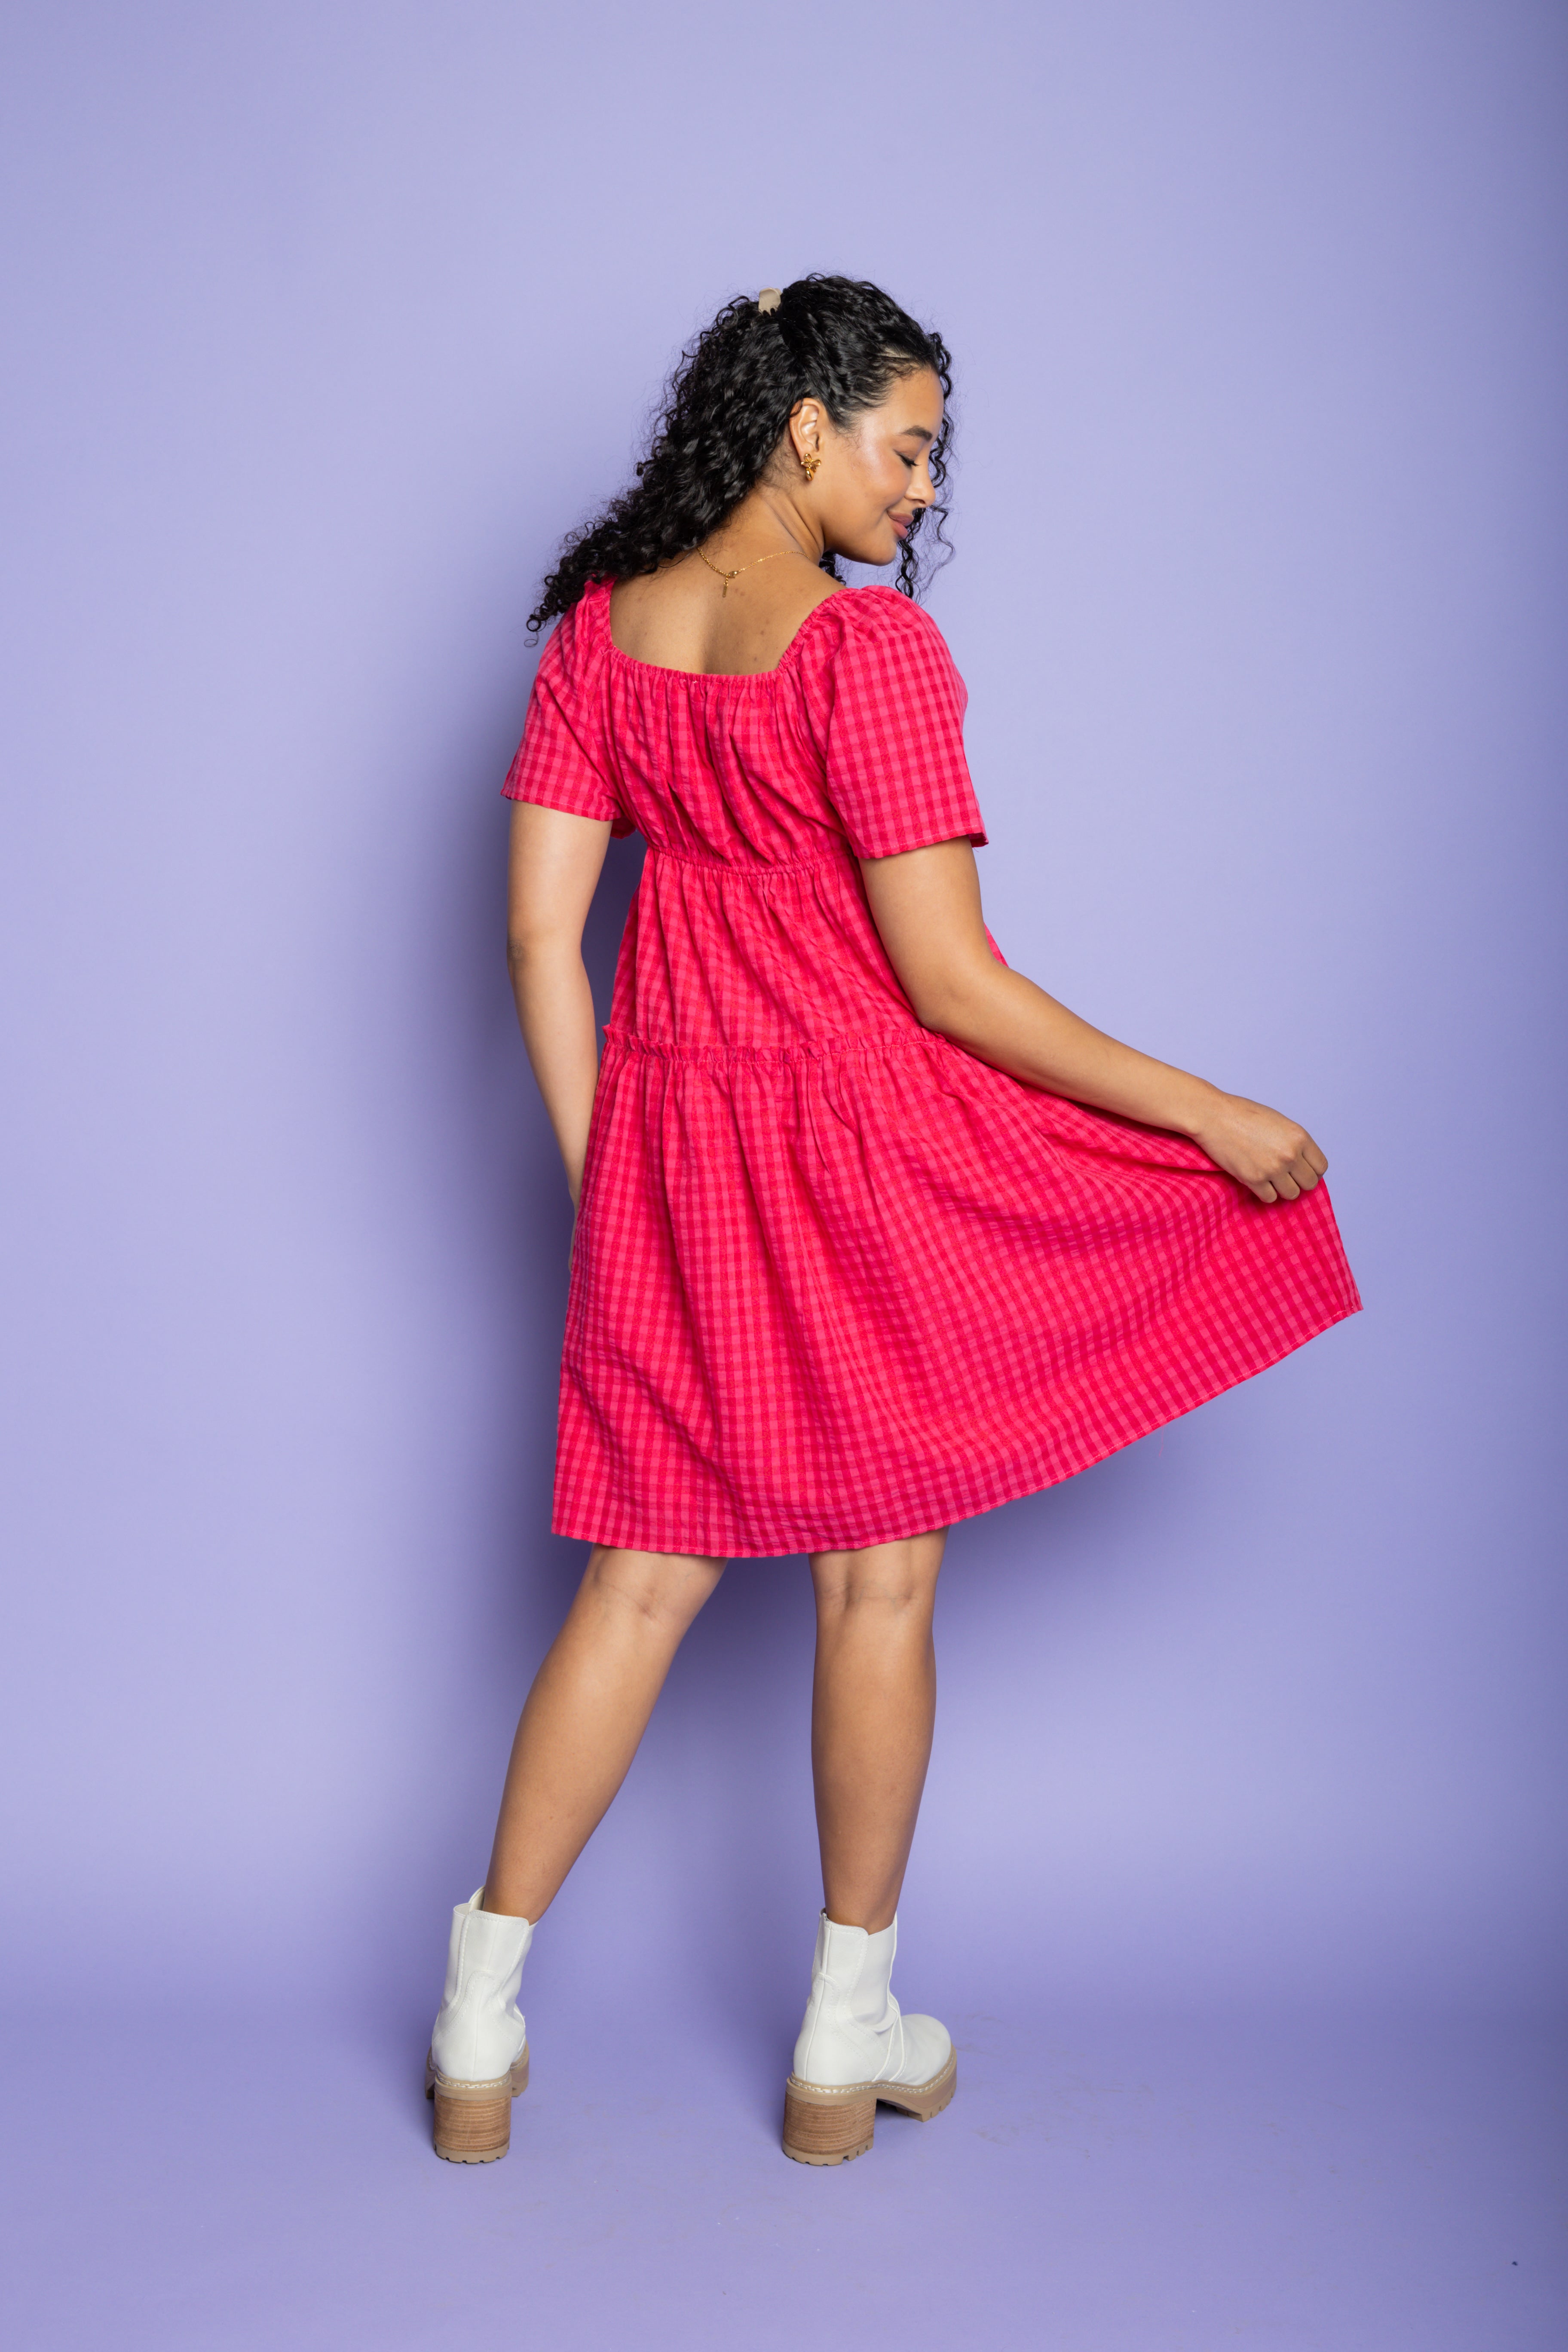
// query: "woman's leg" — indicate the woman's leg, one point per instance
point(585, 1715)
point(873, 1707)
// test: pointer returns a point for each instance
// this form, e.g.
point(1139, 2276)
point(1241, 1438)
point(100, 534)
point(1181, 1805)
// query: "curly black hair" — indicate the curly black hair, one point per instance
point(837, 340)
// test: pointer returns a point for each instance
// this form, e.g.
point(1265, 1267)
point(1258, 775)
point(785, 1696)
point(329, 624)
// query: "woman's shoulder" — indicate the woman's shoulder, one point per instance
point(875, 642)
point(878, 617)
point(575, 649)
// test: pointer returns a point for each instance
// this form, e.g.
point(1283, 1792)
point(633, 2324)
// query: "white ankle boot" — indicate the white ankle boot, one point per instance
point(856, 2047)
point(478, 2050)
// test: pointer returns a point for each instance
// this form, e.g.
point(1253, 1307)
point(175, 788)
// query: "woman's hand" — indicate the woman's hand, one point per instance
point(1274, 1158)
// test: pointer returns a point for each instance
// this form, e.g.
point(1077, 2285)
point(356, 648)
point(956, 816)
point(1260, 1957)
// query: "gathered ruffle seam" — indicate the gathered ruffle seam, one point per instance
point(838, 1047)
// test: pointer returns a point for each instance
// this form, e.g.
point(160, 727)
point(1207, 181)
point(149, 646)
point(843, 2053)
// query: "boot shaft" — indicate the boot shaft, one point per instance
point(851, 2031)
point(480, 2032)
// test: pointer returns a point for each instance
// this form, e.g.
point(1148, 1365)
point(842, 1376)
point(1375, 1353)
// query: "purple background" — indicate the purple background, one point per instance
point(1238, 1873)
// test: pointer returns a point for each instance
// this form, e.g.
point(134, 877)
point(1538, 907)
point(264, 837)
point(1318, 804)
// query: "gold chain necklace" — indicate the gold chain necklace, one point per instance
point(727, 576)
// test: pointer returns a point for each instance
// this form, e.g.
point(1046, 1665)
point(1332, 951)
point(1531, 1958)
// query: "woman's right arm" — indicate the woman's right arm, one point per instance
point(926, 906)
point(554, 865)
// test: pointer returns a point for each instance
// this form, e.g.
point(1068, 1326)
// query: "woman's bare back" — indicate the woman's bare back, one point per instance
point(684, 616)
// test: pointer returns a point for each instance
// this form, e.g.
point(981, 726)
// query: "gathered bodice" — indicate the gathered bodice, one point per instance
point(754, 958)
point(751, 931)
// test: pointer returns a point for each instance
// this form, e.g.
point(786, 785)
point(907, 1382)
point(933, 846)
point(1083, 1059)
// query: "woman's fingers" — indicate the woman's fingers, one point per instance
point(1308, 1164)
point(1270, 1155)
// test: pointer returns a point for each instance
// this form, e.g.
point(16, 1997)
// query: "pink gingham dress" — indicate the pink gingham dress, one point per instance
point(835, 1280)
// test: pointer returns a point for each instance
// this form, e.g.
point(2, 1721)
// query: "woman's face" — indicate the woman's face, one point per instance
point(874, 476)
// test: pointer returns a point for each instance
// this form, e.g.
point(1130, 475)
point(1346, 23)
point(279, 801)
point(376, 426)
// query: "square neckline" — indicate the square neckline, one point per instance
point(603, 588)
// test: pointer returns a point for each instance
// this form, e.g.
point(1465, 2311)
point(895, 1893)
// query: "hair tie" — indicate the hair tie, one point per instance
point(769, 299)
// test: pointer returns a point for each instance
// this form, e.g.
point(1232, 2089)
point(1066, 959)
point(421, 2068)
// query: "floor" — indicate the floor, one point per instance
point(1112, 2185)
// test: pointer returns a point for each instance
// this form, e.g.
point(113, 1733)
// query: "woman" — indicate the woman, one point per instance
point(871, 1234)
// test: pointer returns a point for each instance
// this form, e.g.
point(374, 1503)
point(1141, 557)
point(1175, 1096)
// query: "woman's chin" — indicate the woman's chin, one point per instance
point(879, 548)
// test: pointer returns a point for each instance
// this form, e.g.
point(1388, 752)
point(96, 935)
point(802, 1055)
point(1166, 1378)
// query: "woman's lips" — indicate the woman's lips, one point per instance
point(901, 524)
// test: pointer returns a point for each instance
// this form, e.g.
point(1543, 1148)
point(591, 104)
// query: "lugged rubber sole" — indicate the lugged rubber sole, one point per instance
point(473, 2120)
point(822, 2125)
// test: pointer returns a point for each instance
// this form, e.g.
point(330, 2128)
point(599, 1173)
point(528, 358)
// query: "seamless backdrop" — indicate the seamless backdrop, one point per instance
point(326, 322)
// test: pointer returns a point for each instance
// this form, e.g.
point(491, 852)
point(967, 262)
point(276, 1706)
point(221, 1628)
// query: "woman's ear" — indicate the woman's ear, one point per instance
point(805, 428)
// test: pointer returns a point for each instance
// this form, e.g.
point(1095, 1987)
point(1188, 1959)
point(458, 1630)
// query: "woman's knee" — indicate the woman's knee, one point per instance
point(900, 1576)
point(666, 1588)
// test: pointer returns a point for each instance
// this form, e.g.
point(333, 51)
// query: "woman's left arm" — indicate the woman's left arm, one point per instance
point(554, 870)
point(926, 906)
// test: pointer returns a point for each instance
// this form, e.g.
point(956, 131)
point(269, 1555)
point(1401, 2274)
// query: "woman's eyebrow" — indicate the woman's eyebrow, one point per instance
point(913, 432)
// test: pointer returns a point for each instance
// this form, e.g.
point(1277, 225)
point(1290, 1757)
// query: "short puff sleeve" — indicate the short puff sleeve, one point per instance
point(560, 762)
point(896, 774)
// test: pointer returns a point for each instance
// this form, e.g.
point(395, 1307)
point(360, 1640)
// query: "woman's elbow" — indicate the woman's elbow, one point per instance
point(959, 992)
point(939, 1001)
point(534, 947)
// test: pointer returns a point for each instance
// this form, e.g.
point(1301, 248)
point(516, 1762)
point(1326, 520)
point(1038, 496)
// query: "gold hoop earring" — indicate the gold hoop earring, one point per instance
point(808, 465)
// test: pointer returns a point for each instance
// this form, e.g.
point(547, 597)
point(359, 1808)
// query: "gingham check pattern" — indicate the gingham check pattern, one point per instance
point(835, 1280)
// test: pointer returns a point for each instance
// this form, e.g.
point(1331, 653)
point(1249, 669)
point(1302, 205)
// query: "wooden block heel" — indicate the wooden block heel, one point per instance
point(828, 2126)
point(473, 2120)
point(823, 2126)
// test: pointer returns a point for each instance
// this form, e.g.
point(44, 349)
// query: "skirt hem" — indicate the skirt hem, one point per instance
point(971, 1496)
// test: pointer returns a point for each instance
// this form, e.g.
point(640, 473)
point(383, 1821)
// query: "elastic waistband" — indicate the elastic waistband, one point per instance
point(764, 870)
